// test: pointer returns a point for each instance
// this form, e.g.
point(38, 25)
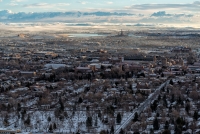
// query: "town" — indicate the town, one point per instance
point(100, 84)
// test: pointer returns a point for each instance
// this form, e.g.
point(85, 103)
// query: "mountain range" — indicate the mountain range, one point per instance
point(160, 17)
point(6, 15)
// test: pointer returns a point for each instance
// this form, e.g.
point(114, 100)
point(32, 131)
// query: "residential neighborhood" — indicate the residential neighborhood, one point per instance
point(64, 86)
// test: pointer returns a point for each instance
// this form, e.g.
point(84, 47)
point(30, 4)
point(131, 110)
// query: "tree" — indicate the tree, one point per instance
point(112, 130)
point(179, 100)
point(187, 108)
point(166, 132)
point(99, 114)
point(78, 132)
point(151, 131)
point(180, 122)
point(50, 128)
point(166, 125)
point(135, 117)
point(5, 121)
point(89, 122)
point(65, 114)
point(111, 110)
point(18, 107)
point(80, 100)
point(121, 131)
point(172, 99)
point(119, 118)
point(156, 124)
point(159, 97)
point(54, 126)
point(27, 121)
point(171, 82)
point(154, 105)
point(49, 119)
point(61, 105)
point(195, 116)
point(57, 112)
point(103, 132)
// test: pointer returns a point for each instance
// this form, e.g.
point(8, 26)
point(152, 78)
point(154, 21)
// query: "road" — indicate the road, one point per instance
point(142, 106)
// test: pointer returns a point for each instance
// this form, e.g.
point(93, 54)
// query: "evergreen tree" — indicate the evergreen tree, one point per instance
point(80, 100)
point(166, 132)
point(151, 131)
point(119, 118)
point(5, 121)
point(18, 107)
point(89, 122)
point(65, 114)
point(135, 117)
point(112, 130)
point(99, 114)
point(179, 100)
point(187, 108)
point(195, 116)
point(172, 99)
point(166, 125)
point(27, 121)
point(178, 130)
point(156, 124)
point(159, 97)
point(78, 132)
point(50, 128)
point(115, 101)
point(61, 105)
point(171, 82)
point(103, 132)
point(54, 126)
point(180, 122)
point(121, 131)
point(49, 119)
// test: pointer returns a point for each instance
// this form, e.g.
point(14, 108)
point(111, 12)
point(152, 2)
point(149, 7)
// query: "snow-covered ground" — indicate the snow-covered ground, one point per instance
point(76, 121)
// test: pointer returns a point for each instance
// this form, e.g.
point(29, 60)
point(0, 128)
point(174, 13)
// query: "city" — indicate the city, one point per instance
point(109, 67)
point(79, 85)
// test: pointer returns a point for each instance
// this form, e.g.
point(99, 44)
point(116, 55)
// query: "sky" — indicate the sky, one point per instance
point(157, 12)
point(145, 6)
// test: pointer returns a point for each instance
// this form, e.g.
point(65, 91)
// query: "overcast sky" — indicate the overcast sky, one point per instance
point(137, 6)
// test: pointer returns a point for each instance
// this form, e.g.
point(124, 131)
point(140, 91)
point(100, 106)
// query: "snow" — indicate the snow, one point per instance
point(54, 66)
point(20, 89)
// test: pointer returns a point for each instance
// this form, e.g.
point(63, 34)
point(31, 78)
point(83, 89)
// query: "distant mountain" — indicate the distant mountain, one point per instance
point(164, 14)
point(6, 15)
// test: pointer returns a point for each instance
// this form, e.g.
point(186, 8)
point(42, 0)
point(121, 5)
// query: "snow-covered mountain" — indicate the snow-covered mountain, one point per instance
point(6, 15)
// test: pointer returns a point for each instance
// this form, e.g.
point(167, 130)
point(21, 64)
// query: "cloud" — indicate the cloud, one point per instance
point(18, 0)
point(164, 14)
point(13, 4)
point(45, 5)
point(83, 2)
point(194, 7)
point(160, 14)
point(110, 2)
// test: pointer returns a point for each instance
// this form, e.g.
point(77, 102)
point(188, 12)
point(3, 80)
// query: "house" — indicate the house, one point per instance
point(3, 131)
point(45, 107)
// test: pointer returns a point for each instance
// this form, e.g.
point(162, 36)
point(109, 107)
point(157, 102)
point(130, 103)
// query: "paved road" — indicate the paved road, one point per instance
point(142, 106)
